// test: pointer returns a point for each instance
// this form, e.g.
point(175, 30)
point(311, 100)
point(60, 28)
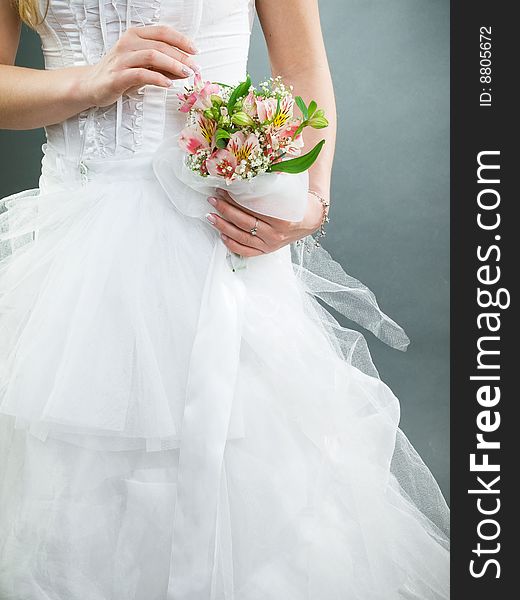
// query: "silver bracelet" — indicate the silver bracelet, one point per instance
point(321, 232)
point(326, 205)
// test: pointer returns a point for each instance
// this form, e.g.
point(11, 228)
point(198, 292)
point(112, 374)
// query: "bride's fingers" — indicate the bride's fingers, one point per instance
point(224, 195)
point(238, 248)
point(168, 35)
point(158, 61)
point(135, 78)
point(273, 232)
point(145, 44)
point(174, 53)
point(244, 238)
point(239, 216)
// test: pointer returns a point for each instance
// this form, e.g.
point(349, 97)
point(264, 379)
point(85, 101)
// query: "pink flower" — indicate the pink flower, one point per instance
point(249, 105)
point(243, 146)
point(207, 128)
point(198, 137)
point(222, 163)
point(267, 108)
point(292, 146)
point(200, 98)
point(191, 140)
point(272, 142)
point(188, 100)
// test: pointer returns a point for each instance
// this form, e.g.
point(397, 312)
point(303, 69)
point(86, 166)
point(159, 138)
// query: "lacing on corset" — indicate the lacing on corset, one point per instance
point(117, 128)
point(81, 32)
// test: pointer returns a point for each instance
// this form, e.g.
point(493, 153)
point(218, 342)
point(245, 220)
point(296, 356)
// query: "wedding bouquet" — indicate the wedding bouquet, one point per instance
point(245, 140)
point(238, 133)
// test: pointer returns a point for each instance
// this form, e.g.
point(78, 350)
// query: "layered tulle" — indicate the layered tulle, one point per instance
point(320, 494)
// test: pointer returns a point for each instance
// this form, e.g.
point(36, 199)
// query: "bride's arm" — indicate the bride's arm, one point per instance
point(296, 52)
point(31, 98)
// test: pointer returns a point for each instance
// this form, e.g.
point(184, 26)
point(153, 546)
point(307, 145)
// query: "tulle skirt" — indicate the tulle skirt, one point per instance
point(171, 430)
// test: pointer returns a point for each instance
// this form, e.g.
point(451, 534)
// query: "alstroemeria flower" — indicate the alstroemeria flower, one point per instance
point(222, 163)
point(200, 98)
point(292, 147)
point(249, 105)
point(267, 108)
point(242, 146)
point(191, 140)
point(272, 142)
point(198, 137)
point(207, 128)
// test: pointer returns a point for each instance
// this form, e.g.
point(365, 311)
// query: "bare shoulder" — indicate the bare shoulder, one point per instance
point(9, 32)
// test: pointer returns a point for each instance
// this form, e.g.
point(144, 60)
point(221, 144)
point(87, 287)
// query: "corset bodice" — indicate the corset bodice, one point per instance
point(80, 32)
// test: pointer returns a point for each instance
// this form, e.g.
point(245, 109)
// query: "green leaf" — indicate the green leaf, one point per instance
point(312, 108)
point(302, 106)
point(299, 164)
point(240, 91)
point(222, 134)
point(221, 137)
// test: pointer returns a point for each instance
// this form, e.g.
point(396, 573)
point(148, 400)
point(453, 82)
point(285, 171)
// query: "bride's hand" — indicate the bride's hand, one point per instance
point(154, 54)
point(235, 224)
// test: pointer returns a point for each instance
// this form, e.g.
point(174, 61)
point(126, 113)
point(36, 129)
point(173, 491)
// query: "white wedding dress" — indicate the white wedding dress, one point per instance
point(169, 429)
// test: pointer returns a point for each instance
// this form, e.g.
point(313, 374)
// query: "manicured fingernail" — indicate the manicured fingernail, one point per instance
point(211, 218)
point(212, 201)
point(187, 71)
point(172, 81)
point(194, 49)
point(224, 237)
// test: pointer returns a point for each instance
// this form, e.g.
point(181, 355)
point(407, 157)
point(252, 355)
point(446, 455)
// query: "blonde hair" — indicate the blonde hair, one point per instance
point(29, 11)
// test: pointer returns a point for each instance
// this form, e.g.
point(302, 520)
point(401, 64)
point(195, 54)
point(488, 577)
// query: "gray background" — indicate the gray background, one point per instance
point(390, 218)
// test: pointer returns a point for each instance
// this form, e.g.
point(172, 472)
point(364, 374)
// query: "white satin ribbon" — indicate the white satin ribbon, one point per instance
point(213, 368)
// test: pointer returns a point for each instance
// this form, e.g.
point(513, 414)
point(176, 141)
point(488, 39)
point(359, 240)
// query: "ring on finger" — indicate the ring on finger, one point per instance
point(254, 230)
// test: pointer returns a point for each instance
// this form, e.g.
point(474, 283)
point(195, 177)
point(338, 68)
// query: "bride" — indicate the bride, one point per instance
point(169, 429)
